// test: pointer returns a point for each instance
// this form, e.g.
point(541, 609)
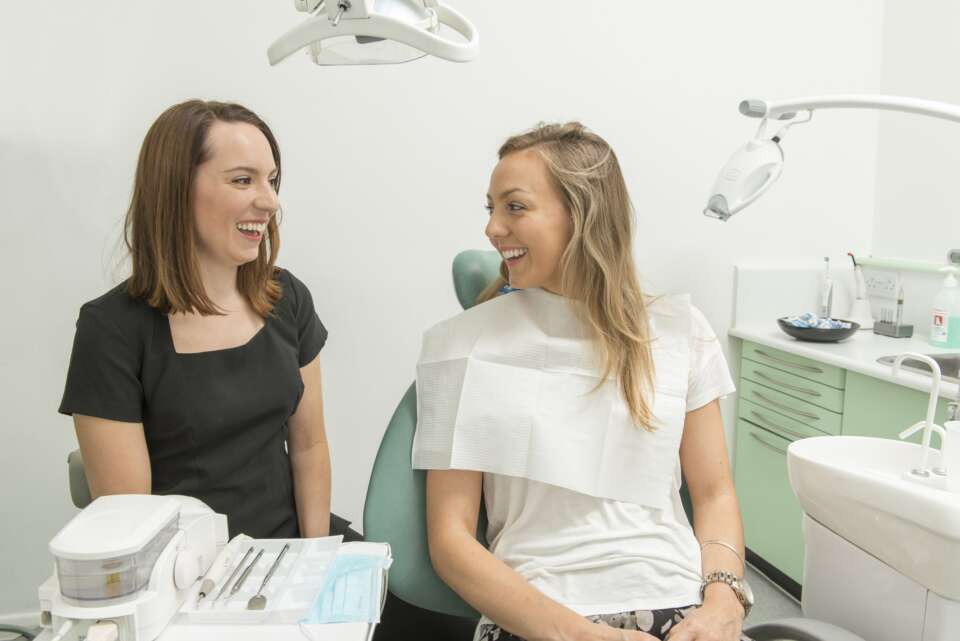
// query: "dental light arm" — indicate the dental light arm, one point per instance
point(754, 168)
point(786, 109)
point(376, 32)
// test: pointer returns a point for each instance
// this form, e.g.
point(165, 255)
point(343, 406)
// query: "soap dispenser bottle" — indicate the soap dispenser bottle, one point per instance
point(945, 323)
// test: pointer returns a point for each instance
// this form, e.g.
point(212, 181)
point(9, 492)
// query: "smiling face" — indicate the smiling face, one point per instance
point(529, 223)
point(234, 194)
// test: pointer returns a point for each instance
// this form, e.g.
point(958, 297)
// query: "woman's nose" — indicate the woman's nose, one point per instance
point(267, 199)
point(495, 227)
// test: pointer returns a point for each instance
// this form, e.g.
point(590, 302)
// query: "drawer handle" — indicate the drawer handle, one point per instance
point(770, 445)
point(786, 408)
point(795, 388)
point(806, 368)
point(777, 427)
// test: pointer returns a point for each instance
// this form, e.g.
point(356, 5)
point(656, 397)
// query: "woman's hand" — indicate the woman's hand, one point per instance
point(720, 618)
point(606, 633)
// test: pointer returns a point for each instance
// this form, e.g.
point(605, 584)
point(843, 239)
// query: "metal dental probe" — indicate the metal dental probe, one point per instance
point(223, 588)
point(243, 576)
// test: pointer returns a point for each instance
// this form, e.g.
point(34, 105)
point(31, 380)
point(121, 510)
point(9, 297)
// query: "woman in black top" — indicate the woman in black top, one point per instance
point(200, 374)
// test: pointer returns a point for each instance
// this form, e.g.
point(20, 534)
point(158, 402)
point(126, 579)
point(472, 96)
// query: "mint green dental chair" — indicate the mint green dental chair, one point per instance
point(396, 506)
point(395, 509)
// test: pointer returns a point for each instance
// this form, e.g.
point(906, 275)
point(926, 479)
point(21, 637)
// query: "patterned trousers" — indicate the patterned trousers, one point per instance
point(654, 622)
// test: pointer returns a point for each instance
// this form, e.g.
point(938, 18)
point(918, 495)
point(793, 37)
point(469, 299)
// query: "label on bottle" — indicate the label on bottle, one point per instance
point(938, 329)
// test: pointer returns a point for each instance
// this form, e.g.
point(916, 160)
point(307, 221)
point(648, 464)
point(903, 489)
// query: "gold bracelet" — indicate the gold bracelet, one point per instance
point(728, 546)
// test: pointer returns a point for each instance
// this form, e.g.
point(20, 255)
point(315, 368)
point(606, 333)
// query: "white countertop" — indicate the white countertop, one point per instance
point(859, 353)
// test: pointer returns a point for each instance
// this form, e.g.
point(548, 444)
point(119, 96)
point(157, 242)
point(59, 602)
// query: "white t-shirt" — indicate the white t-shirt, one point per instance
point(601, 556)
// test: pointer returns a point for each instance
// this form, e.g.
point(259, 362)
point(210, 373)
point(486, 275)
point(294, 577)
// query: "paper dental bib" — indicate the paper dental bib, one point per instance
point(506, 387)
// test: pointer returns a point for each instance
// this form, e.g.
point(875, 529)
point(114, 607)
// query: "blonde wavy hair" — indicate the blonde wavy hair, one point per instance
point(597, 267)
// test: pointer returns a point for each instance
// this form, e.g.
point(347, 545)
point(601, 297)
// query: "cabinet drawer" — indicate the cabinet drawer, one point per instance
point(772, 515)
point(775, 422)
point(804, 389)
point(802, 411)
point(803, 367)
point(881, 409)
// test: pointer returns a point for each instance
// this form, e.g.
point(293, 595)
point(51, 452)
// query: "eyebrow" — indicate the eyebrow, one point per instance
point(251, 170)
point(506, 193)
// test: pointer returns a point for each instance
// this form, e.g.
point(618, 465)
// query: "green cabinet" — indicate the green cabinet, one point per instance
point(771, 514)
point(874, 407)
point(783, 397)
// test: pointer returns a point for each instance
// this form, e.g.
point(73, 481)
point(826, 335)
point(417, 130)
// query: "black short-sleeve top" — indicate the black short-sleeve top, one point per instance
point(215, 422)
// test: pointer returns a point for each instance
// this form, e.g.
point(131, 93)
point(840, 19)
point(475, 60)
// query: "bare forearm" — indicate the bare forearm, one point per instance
point(718, 519)
point(311, 489)
point(504, 596)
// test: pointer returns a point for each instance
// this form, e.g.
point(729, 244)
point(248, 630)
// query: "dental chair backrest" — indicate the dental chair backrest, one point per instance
point(396, 507)
point(79, 489)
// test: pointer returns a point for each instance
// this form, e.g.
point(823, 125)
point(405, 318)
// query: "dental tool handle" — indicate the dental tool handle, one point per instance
point(273, 568)
point(217, 569)
point(243, 576)
point(233, 574)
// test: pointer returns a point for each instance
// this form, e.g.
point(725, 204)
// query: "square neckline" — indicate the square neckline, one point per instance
point(173, 347)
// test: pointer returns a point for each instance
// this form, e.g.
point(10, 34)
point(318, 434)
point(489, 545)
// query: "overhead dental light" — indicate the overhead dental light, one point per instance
point(753, 168)
point(369, 32)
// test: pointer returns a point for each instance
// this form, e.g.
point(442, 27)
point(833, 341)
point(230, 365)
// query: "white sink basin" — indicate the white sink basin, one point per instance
point(855, 486)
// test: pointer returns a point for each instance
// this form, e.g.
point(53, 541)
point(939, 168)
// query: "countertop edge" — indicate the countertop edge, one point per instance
point(857, 354)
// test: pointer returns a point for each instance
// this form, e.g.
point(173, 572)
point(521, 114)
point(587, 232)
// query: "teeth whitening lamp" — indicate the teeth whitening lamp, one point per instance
point(754, 168)
point(371, 32)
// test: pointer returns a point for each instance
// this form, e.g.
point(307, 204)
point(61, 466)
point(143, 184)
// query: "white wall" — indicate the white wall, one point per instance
point(918, 159)
point(918, 208)
point(385, 171)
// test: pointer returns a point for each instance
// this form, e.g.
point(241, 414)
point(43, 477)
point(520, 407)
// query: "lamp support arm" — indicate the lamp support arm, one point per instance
point(786, 109)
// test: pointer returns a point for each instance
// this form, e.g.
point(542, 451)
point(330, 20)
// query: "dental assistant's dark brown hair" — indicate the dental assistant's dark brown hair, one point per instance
point(160, 231)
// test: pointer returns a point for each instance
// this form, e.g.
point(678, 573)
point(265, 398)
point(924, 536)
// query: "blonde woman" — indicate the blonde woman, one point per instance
point(568, 408)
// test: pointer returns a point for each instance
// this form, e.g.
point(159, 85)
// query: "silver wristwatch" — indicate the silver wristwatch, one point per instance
point(739, 586)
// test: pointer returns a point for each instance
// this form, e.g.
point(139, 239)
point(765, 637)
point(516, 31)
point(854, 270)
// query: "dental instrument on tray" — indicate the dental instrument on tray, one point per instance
point(753, 168)
point(243, 577)
point(233, 574)
point(219, 567)
point(258, 601)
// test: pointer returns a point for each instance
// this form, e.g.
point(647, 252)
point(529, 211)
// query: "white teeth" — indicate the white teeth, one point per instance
point(255, 227)
point(513, 253)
